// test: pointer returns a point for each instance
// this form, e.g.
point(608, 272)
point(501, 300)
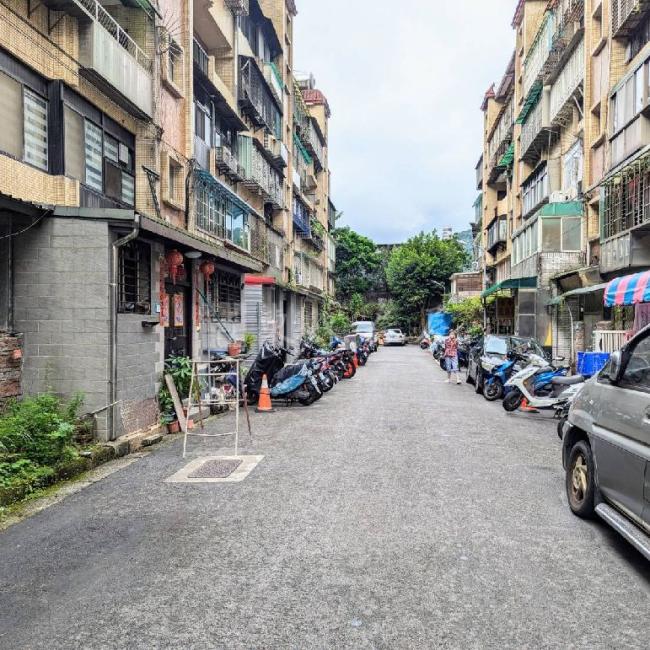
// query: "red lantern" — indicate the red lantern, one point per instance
point(207, 268)
point(174, 259)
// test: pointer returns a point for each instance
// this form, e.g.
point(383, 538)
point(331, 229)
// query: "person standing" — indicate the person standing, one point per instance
point(451, 357)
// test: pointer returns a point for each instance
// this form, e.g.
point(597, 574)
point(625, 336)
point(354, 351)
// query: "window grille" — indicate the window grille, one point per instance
point(135, 278)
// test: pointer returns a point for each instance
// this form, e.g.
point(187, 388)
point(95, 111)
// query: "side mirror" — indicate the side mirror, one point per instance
point(613, 369)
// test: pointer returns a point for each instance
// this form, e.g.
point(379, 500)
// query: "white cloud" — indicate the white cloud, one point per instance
point(405, 81)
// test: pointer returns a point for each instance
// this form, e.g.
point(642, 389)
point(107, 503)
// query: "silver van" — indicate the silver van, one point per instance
point(606, 444)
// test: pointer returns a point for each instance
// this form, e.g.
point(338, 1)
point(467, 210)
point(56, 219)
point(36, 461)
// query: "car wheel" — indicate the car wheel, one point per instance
point(478, 383)
point(580, 485)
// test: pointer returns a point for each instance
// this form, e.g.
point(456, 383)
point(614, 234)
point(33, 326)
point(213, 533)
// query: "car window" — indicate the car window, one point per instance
point(364, 328)
point(495, 345)
point(637, 370)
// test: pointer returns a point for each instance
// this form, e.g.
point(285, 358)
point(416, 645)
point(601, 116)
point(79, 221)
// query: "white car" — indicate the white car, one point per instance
point(394, 337)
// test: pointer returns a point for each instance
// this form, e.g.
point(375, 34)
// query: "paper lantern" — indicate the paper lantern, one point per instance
point(174, 260)
point(207, 268)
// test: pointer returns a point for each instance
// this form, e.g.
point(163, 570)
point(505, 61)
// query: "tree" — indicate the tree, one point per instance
point(417, 272)
point(357, 262)
point(467, 314)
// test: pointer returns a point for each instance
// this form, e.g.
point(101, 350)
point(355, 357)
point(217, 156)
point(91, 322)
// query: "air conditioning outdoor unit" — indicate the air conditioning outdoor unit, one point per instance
point(298, 278)
point(557, 197)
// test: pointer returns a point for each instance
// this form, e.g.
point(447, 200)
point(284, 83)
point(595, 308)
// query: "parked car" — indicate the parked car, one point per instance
point(394, 336)
point(606, 444)
point(366, 330)
point(492, 351)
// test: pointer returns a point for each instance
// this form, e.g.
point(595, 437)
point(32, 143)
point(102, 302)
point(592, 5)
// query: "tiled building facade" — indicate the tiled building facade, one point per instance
point(563, 176)
point(164, 189)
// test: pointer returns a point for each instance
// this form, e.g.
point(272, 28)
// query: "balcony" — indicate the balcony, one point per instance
point(538, 53)
point(568, 29)
point(331, 215)
point(301, 218)
point(274, 79)
point(226, 163)
point(479, 174)
point(567, 83)
point(258, 175)
point(266, 244)
point(316, 144)
point(626, 16)
point(535, 130)
point(276, 152)
point(500, 139)
point(202, 153)
point(256, 100)
point(316, 239)
point(497, 234)
point(109, 57)
point(238, 7)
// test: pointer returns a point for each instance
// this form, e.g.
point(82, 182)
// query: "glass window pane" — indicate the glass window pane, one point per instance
point(111, 148)
point(11, 116)
point(35, 126)
point(551, 234)
point(94, 156)
point(638, 83)
point(74, 144)
point(128, 189)
point(571, 227)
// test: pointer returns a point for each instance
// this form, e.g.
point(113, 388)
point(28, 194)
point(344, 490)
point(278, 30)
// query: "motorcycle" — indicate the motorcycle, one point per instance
point(293, 382)
point(494, 380)
point(438, 346)
point(425, 341)
point(522, 386)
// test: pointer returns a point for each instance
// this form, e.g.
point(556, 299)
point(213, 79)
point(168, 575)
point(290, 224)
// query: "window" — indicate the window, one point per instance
point(638, 89)
point(637, 370)
point(535, 189)
point(75, 161)
point(571, 233)
point(135, 278)
point(173, 61)
point(35, 129)
point(226, 295)
point(174, 180)
point(23, 115)
point(552, 234)
point(309, 316)
point(93, 147)
point(572, 172)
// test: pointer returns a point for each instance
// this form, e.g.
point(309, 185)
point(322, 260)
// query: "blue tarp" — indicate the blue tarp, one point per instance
point(439, 322)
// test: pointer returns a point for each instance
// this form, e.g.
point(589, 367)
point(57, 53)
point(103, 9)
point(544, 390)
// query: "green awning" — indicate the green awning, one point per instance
point(530, 103)
point(565, 209)
point(577, 292)
point(512, 283)
point(508, 156)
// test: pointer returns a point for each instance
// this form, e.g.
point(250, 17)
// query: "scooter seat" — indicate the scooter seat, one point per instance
point(567, 381)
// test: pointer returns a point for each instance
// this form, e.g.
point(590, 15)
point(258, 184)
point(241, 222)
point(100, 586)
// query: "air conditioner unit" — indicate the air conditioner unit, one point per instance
point(557, 197)
point(298, 278)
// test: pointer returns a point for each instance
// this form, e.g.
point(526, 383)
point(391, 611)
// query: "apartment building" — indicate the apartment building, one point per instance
point(564, 171)
point(148, 201)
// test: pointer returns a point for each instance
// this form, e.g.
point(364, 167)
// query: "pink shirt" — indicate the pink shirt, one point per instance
point(451, 347)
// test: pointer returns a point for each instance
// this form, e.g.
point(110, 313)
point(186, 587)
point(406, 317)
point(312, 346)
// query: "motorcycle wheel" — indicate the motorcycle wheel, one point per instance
point(362, 359)
point(493, 391)
point(423, 345)
point(313, 396)
point(512, 401)
point(478, 382)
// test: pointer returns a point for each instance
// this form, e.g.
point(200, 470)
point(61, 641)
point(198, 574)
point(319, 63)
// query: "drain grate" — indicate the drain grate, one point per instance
point(216, 468)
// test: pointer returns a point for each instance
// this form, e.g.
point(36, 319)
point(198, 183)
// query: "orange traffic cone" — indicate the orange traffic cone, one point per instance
point(264, 403)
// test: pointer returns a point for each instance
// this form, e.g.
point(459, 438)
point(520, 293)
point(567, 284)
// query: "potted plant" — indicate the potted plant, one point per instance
point(249, 341)
point(180, 369)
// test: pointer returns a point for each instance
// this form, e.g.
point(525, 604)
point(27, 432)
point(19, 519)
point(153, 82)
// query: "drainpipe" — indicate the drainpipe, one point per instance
point(112, 357)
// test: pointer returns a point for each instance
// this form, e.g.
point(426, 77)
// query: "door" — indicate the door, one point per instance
point(178, 329)
point(285, 321)
point(621, 433)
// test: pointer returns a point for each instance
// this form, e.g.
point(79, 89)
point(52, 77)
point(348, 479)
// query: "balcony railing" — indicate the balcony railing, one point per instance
point(201, 57)
point(568, 81)
point(626, 15)
point(315, 146)
point(534, 132)
point(568, 27)
point(497, 234)
point(266, 244)
point(110, 57)
point(258, 174)
point(502, 132)
point(256, 100)
point(274, 79)
point(301, 218)
point(300, 114)
point(538, 53)
point(226, 163)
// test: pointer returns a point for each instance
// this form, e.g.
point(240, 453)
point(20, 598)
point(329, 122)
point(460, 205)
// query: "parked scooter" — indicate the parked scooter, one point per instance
point(522, 385)
point(438, 346)
point(494, 380)
point(294, 382)
point(425, 341)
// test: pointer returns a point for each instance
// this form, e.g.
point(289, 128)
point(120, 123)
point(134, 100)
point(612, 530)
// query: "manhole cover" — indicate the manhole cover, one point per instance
point(218, 468)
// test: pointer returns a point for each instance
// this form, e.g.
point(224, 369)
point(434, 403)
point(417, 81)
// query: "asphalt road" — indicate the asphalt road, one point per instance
point(397, 512)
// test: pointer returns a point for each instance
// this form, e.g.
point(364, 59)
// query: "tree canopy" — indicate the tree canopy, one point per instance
point(357, 263)
point(417, 272)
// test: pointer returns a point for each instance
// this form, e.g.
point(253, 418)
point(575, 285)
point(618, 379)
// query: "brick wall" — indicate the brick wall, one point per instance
point(10, 366)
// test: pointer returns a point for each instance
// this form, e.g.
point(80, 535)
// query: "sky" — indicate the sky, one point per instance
point(405, 81)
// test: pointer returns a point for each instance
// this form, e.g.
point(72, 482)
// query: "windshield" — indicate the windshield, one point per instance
point(495, 345)
point(363, 327)
point(394, 331)
point(526, 346)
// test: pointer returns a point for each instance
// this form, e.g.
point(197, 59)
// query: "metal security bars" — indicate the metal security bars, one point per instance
point(255, 98)
point(625, 199)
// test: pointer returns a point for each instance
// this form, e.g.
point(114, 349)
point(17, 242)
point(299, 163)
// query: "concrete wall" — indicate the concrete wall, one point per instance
point(61, 306)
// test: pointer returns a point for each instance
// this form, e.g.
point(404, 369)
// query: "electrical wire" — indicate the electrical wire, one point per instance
point(31, 225)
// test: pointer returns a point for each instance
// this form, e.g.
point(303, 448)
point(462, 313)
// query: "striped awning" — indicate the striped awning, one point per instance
point(628, 290)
